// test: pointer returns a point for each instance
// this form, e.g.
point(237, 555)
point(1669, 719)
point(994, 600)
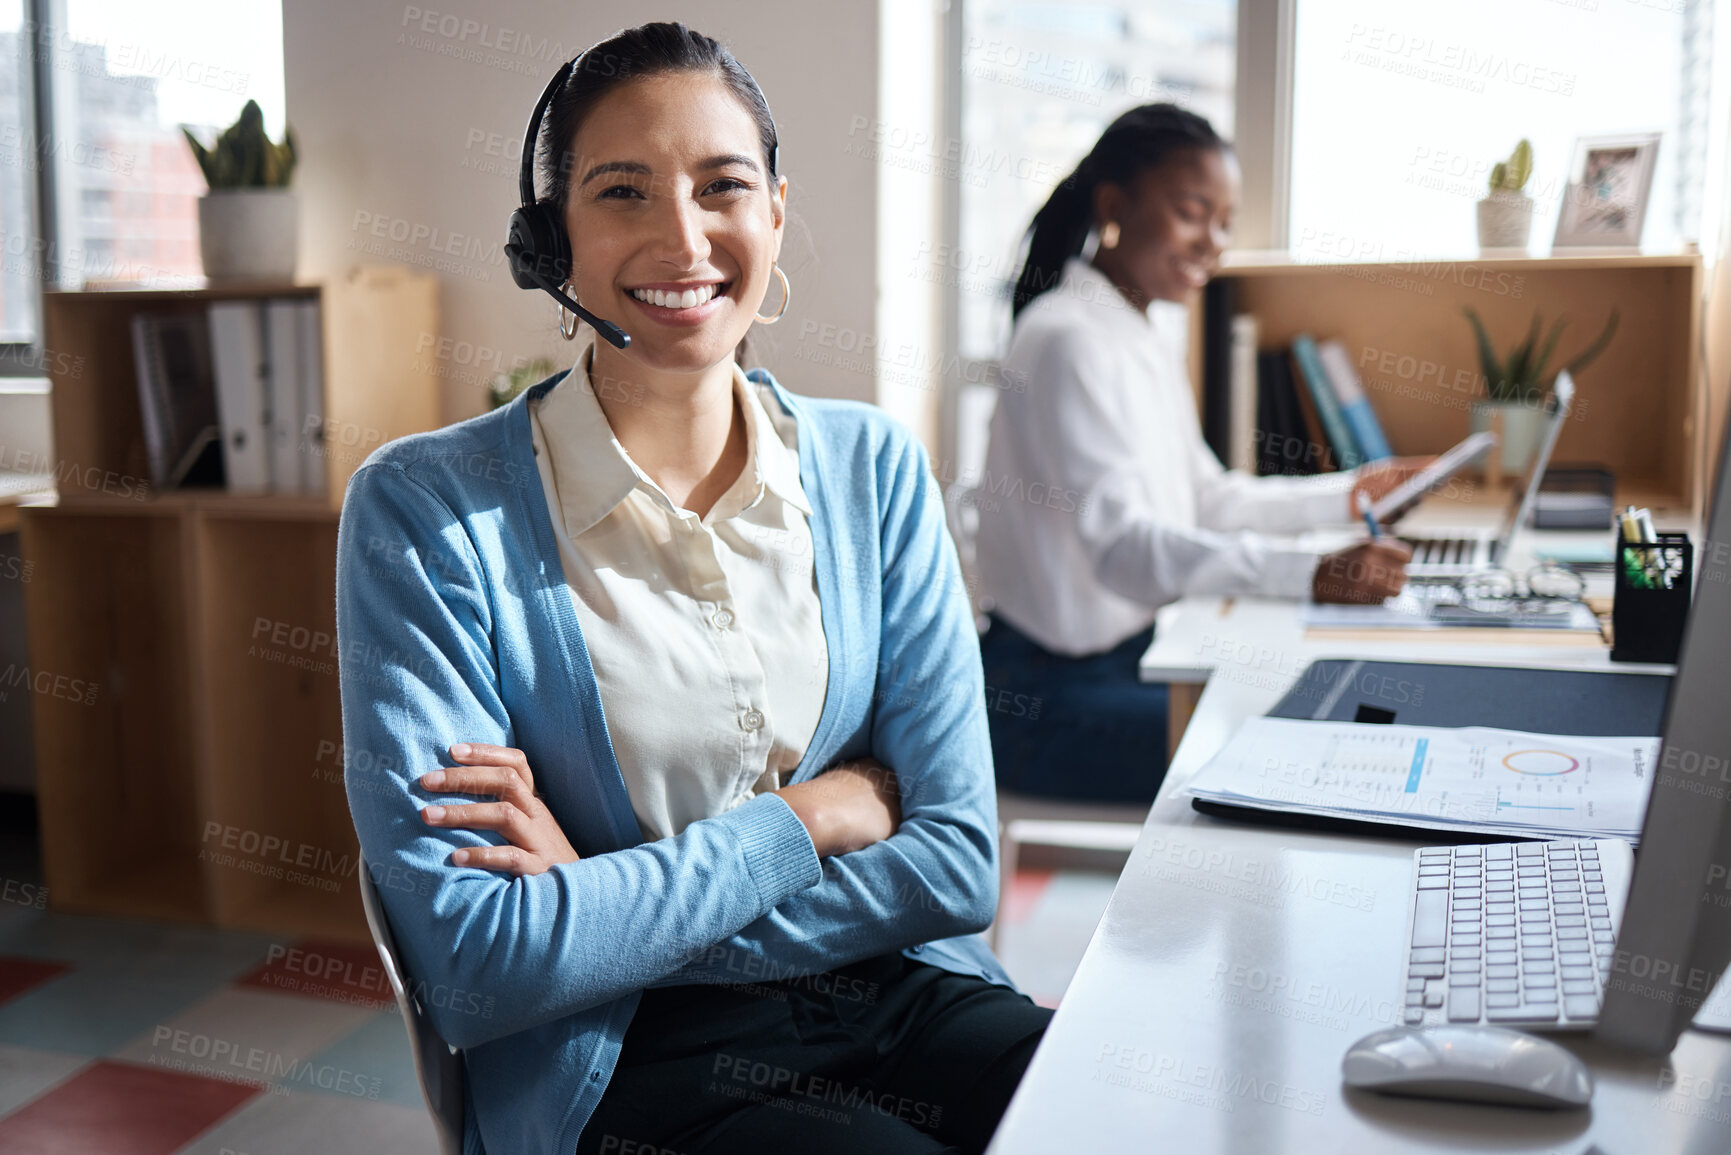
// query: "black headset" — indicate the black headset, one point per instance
point(537, 247)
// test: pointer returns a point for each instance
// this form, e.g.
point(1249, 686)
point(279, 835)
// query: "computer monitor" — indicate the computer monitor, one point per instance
point(1675, 939)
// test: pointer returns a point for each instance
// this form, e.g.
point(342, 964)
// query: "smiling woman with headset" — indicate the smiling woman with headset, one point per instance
point(696, 823)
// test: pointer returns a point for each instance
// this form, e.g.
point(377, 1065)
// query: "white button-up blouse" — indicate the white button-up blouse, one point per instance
point(1100, 500)
point(704, 632)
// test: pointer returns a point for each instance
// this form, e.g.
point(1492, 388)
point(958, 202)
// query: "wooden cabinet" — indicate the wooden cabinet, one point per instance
point(1644, 408)
point(183, 664)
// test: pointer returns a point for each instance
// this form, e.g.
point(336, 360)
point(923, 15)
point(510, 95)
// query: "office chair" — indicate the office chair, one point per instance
point(438, 1066)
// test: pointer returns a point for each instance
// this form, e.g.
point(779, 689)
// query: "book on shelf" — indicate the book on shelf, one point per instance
point(1286, 446)
point(177, 399)
point(1322, 452)
point(1241, 422)
point(1328, 408)
point(1217, 393)
point(1354, 405)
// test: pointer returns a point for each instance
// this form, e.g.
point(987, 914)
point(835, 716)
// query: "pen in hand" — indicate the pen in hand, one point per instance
point(1369, 520)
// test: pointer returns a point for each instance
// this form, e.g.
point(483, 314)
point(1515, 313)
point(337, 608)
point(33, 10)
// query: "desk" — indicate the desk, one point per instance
point(1234, 965)
point(1260, 640)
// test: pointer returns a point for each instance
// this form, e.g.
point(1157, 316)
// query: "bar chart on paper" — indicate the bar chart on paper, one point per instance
point(1473, 778)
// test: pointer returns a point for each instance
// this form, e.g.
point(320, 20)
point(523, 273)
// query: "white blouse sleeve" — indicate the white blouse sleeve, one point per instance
point(1229, 500)
point(1091, 450)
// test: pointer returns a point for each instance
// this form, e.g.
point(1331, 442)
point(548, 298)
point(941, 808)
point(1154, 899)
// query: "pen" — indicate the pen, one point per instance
point(1369, 521)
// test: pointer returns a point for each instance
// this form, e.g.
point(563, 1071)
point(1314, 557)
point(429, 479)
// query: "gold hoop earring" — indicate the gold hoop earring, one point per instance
point(1109, 235)
point(569, 333)
point(786, 296)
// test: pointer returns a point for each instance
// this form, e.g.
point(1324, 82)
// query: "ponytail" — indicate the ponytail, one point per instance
point(1140, 139)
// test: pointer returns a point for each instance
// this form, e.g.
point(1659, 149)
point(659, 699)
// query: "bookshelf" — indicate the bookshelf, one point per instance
point(187, 717)
point(1644, 408)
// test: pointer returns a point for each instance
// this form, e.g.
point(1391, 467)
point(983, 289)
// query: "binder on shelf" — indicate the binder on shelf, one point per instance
point(237, 343)
point(1328, 408)
point(177, 399)
point(1354, 405)
point(284, 392)
point(309, 435)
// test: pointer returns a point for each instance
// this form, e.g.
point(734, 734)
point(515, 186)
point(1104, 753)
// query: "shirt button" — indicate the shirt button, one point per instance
point(721, 619)
point(753, 720)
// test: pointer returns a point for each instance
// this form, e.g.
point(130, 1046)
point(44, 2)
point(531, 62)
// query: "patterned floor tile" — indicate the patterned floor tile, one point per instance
point(254, 1035)
point(25, 1073)
point(114, 1108)
point(1042, 950)
point(379, 1046)
point(296, 1123)
point(348, 973)
point(18, 975)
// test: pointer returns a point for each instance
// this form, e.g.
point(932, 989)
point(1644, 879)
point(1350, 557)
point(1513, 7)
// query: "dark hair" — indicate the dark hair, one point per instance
point(647, 50)
point(1141, 138)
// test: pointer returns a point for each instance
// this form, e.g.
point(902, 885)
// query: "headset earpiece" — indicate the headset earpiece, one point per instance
point(538, 248)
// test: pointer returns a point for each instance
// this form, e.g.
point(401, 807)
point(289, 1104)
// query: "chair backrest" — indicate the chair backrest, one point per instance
point(438, 1066)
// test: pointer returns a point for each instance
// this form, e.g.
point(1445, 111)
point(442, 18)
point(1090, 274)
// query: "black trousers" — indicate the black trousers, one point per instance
point(886, 1055)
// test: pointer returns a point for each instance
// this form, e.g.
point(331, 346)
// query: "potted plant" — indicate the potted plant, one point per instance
point(247, 223)
point(1517, 385)
point(506, 386)
point(1506, 215)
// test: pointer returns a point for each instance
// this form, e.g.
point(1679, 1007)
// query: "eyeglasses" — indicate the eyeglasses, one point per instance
point(1545, 595)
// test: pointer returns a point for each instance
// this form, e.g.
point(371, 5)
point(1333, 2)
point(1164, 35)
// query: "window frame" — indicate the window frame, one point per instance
point(22, 361)
point(1262, 84)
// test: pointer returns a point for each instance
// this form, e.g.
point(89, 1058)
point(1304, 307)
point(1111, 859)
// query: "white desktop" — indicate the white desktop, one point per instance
point(1236, 965)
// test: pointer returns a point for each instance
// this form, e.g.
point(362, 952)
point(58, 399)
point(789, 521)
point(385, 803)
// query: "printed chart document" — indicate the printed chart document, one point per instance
point(1473, 778)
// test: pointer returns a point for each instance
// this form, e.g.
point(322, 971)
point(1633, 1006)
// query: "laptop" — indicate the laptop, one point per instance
point(1453, 555)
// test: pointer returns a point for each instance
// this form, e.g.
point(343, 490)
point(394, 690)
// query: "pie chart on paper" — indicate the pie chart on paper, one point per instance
point(1541, 763)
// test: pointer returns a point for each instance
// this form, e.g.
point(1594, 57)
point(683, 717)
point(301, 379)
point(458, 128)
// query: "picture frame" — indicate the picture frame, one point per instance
point(1605, 203)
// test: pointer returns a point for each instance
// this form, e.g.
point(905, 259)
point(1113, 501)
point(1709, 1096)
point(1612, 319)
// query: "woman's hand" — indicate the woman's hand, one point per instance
point(536, 842)
point(1363, 574)
point(848, 807)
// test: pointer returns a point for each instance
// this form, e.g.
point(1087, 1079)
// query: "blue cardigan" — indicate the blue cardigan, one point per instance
point(455, 623)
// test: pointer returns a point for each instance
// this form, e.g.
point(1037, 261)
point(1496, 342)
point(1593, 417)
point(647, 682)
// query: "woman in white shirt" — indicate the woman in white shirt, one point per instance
point(1100, 501)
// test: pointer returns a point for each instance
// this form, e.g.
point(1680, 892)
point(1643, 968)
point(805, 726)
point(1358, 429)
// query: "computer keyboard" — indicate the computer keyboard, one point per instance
point(1454, 554)
point(1516, 933)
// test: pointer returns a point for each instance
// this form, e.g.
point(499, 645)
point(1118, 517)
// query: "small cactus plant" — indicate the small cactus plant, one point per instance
point(244, 155)
point(1511, 175)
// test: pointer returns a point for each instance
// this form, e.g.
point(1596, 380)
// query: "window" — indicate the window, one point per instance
point(1399, 112)
point(125, 76)
point(1040, 82)
point(96, 181)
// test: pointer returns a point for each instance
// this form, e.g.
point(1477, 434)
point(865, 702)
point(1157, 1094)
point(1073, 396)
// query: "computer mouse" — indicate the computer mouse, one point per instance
point(1474, 1064)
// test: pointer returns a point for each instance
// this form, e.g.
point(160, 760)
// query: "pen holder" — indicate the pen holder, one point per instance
point(1654, 583)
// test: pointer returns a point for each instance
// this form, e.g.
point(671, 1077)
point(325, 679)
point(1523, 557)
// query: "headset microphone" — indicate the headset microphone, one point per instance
point(537, 248)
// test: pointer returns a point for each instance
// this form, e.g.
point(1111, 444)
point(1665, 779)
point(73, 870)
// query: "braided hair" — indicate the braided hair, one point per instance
point(1140, 139)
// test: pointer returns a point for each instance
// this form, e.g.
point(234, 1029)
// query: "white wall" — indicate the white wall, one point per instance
point(418, 132)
